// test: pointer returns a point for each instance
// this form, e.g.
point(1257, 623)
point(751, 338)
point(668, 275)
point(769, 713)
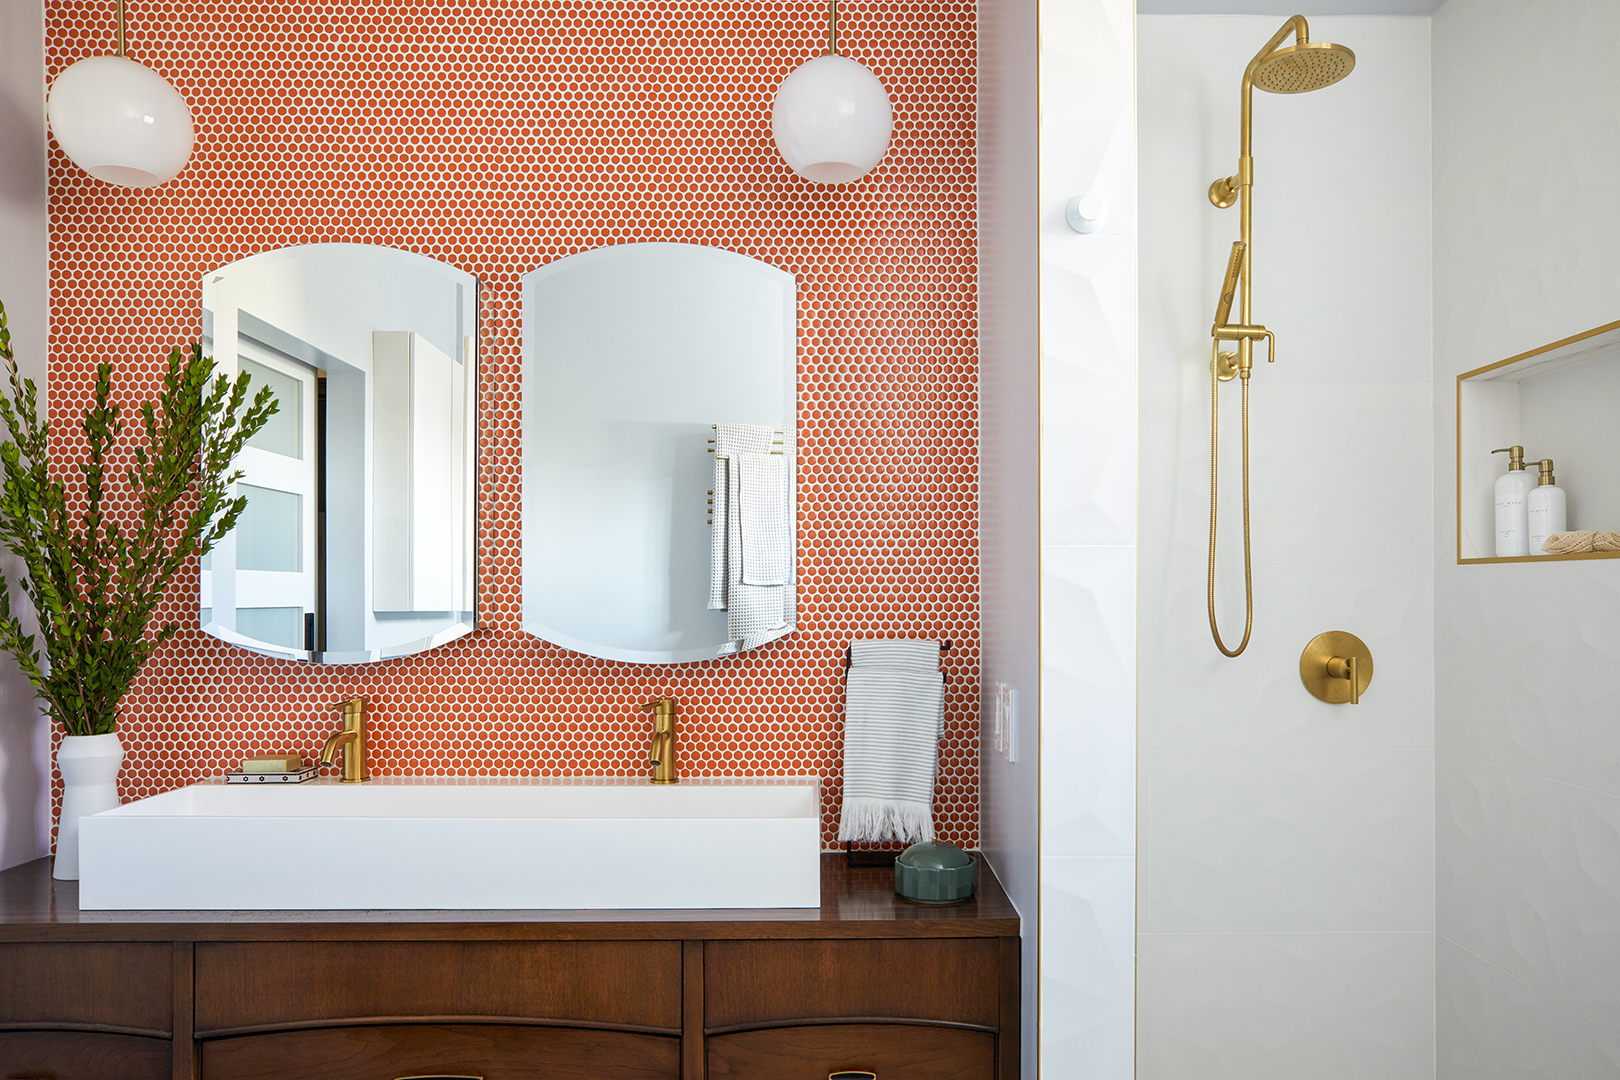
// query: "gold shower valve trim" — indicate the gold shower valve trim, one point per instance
point(1336, 667)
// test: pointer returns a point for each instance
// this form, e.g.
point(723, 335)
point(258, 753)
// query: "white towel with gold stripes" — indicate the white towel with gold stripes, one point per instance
point(894, 717)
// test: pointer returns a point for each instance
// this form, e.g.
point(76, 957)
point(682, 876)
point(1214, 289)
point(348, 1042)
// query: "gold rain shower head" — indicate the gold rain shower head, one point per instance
point(1299, 69)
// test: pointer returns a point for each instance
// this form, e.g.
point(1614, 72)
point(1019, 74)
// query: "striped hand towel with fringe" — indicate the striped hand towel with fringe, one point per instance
point(894, 717)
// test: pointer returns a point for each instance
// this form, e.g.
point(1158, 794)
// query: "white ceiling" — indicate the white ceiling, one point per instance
point(1287, 7)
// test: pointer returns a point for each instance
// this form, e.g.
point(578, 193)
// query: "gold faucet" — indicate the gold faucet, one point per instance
point(352, 739)
point(662, 752)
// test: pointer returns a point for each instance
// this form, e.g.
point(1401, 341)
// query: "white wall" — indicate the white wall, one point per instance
point(1009, 450)
point(1286, 899)
point(25, 740)
point(1527, 250)
point(1088, 542)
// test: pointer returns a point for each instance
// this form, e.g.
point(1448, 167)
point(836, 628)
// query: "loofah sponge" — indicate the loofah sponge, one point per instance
point(1569, 543)
point(1606, 541)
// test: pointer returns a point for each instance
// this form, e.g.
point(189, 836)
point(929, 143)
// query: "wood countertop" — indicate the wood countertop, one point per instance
point(856, 902)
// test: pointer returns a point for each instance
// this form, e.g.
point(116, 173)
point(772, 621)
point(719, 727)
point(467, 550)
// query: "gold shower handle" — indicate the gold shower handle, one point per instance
point(1339, 667)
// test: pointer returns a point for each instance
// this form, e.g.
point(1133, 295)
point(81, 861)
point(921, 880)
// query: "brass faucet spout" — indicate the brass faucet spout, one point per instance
point(329, 751)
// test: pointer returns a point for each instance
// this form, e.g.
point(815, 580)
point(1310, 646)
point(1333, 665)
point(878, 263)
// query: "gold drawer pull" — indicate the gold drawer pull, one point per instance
point(852, 1074)
point(439, 1076)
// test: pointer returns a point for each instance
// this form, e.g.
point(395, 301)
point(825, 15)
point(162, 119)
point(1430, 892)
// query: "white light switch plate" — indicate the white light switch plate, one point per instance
point(1006, 720)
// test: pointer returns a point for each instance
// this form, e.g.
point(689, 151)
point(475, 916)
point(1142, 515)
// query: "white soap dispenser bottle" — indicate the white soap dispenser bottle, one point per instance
point(1547, 508)
point(1512, 509)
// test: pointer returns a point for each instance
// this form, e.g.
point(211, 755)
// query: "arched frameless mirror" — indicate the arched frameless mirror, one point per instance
point(358, 541)
point(635, 357)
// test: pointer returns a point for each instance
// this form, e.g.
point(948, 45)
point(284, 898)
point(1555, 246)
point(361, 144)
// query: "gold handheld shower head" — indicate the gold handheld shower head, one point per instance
point(1299, 69)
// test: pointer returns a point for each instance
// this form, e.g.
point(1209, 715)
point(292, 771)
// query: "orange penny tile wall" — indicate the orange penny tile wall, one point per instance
point(497, 136)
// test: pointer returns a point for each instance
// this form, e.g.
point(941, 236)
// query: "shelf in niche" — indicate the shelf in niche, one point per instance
point(1558, 401)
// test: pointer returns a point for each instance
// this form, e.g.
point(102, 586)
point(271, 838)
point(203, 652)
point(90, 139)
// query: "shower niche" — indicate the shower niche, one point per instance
point(1558, 401)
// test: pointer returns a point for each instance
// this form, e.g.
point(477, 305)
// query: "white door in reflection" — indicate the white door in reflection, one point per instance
point(277, 573)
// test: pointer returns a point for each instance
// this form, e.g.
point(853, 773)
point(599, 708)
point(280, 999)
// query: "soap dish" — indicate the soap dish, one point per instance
point(237, 776)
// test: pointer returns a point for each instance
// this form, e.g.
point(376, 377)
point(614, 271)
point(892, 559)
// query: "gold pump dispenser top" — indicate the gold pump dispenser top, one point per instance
point(1515, 457)
point(1546, 464)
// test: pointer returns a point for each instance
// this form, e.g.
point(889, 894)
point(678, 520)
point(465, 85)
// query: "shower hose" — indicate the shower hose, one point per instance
point(1214, 503)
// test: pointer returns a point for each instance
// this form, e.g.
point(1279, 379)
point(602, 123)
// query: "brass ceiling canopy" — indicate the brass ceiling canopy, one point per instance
point(1299, 69)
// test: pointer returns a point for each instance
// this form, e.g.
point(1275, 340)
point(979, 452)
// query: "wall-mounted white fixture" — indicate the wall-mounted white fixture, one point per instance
point(1084, 213)
point(831, 118)
point(120, 122)
point(1006, 721)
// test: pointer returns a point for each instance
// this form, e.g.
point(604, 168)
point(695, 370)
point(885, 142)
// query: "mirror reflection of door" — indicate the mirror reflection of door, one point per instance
point(277, 561)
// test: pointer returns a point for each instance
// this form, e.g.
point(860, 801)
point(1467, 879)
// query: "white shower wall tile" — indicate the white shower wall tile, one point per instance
point(1088, 967)
point(1088, 138)
point(1088, 718)
point(1291, 841)
point(1088, 388)
point(1201, 700)
point(1544, 701)
point(1285, 1006)
point(1322, 266)
point(1560, 53)
point(1333, 474)
point(1525, 247)
point(1491, 1026)
point(1529, 879)
point(1088, 330)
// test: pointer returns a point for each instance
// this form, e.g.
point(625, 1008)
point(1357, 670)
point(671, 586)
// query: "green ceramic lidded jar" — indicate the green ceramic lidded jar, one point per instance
point(934, 872)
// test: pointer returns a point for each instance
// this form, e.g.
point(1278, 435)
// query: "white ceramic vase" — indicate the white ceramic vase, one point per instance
point(89, 767)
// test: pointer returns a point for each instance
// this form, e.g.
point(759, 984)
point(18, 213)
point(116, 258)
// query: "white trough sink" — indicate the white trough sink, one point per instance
point(432, 843)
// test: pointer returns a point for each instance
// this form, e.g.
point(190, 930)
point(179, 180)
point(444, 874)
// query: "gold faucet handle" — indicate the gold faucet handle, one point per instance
point(663, 712)
point(1340, 667)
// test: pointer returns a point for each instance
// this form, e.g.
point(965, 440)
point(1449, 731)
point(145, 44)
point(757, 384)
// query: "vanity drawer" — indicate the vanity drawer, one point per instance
point(892, 1051)
point(755, 982)
point(489, 1051)
point(247, 985)
point(83, 1055)
point(126, 985)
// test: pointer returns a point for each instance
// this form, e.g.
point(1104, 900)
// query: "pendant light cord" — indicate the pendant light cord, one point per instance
point(121, 28)
point(832, 26)
point(1214, 502)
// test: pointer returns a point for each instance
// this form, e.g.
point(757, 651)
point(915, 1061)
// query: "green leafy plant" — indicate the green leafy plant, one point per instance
point(94, 581)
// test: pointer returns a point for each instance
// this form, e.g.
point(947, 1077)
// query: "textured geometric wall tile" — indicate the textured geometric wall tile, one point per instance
point(1088, 142)
point(1200, 700)
point(1560, 53)
point(1527, 246)
point(1543, 702)
point(1088, 962)
point(1529, 879)
point(498, 136)
point(1279, 1006)
point(1376, 511)
point(1088, 391)
point(1291, 841)
point(1088, 715)
point(1491, 1026)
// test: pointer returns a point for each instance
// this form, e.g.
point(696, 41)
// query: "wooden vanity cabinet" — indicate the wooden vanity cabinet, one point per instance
point(904, 991)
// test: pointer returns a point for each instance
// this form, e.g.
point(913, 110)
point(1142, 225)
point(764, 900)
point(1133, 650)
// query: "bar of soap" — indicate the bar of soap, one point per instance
point(272, 763)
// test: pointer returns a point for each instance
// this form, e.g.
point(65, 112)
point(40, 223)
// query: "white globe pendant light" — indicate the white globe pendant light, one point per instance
point(120, 122)
point(831, 117)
